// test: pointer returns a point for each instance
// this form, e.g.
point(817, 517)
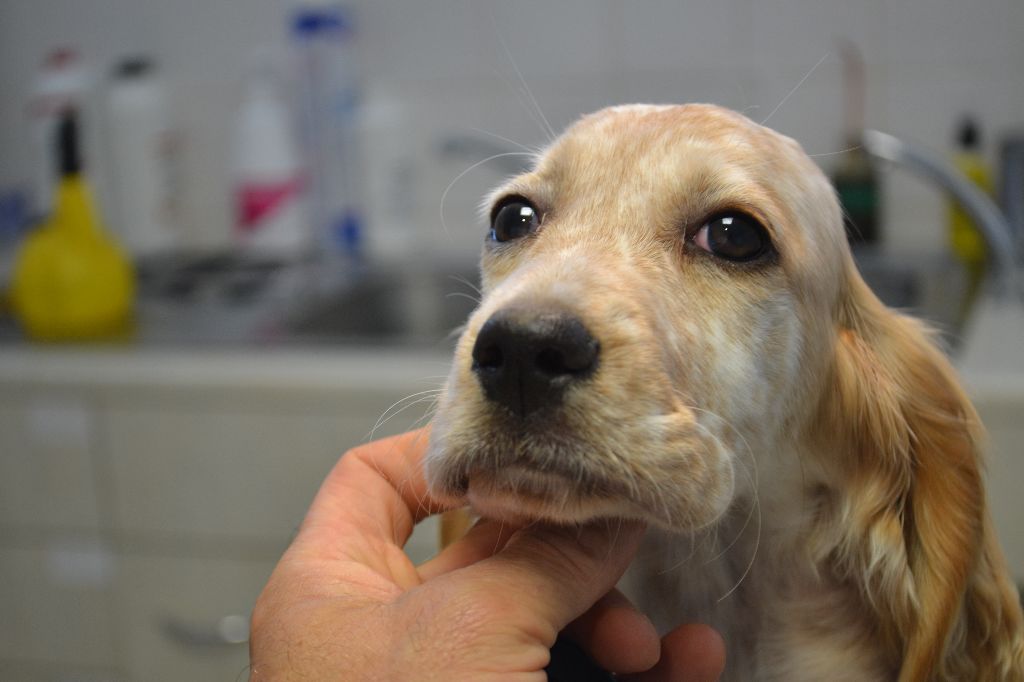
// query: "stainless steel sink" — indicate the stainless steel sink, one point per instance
point(934, 288)
point(392, 306)
point(243, 303)
point(395, 306)
point(219, 299)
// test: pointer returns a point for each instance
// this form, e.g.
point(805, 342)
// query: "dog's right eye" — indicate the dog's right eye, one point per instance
point(513, 218)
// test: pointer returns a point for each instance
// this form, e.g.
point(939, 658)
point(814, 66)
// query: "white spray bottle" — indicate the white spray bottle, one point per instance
point(270, 216)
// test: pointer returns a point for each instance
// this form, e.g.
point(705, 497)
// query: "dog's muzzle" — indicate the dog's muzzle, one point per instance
point(526, 358)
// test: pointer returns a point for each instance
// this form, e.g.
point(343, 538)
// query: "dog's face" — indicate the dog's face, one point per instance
point(658, 294)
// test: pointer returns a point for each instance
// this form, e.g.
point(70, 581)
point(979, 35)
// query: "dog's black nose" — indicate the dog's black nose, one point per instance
point(525, 359)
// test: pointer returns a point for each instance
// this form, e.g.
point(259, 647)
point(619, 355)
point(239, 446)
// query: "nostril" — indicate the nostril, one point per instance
point(488, 357)
point(551, 361)
point(573, 359)
point(568, 349)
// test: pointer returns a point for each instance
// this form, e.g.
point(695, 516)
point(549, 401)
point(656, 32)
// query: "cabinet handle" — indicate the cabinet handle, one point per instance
point(228, 631)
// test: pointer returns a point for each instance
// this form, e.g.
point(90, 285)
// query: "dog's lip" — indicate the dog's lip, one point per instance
point(533, 482)
point(523, 494)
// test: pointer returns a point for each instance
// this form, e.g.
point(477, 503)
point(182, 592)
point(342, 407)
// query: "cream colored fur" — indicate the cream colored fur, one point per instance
point(806, 460)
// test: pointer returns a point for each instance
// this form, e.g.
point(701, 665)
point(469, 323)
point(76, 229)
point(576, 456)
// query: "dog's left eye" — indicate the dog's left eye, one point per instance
point(513, 218)
point(734, 236)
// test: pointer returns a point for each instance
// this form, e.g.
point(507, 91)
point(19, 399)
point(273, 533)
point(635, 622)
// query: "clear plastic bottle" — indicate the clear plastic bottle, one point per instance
point(143, 159)
point(329, 104)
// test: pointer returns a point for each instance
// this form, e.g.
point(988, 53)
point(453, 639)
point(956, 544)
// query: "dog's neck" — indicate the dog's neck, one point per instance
point(753, 577)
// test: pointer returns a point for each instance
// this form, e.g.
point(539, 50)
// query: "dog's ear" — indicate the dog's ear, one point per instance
point(911, 528)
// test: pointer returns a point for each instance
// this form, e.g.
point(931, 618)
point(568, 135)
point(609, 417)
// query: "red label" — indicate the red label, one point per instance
point(256, 203)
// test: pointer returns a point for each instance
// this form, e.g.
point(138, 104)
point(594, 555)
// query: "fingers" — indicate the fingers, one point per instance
point(616, 635)
point(371, 499)
point(553, 574)
point(690, 653)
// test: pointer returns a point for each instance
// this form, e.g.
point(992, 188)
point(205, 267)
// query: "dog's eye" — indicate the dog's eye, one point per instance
point(513, 218)
point(733, 236)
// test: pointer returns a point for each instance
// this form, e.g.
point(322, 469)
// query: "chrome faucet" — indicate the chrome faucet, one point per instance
point(990, 220)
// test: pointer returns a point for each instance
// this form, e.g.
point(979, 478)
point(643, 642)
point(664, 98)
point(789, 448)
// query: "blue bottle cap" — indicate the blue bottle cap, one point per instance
point(328, 20)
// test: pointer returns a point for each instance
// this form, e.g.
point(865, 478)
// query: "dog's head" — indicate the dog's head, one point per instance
point(669, 301)
point(656, 293)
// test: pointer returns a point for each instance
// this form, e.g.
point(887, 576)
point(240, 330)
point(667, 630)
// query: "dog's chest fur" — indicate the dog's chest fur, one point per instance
point(781, 619)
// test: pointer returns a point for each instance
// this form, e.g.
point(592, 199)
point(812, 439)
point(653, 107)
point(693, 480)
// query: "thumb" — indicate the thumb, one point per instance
point(553, 574)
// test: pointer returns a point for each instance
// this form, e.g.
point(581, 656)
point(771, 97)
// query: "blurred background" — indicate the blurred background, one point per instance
point(235, 238)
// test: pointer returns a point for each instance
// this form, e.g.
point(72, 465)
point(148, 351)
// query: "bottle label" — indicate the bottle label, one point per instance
point(259, 202)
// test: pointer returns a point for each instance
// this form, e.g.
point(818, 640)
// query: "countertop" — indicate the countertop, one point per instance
point(992, 359)
point(199, 366)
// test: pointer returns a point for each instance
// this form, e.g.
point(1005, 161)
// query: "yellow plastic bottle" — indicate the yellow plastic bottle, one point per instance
point(965, 239)
point(71, 280)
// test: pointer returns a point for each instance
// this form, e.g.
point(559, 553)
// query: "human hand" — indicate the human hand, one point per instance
point(345, 603)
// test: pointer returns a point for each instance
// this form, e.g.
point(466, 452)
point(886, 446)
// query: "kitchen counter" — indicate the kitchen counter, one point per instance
point(199, 367)
point(992, 359)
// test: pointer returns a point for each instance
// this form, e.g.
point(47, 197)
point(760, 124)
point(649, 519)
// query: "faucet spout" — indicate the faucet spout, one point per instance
point(990, 220)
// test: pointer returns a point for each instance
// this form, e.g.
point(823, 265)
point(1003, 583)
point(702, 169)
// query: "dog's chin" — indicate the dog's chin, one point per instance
point(519, 495)
point(684, 482)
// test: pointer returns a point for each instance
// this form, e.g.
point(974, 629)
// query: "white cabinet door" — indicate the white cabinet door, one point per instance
point(217, 468)
point(1003, 421)
point(206, 492)
point(47, 474)
point(185, 619)
point(136, 524)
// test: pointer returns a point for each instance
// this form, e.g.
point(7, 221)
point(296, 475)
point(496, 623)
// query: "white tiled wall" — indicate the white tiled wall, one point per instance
point(455, 62)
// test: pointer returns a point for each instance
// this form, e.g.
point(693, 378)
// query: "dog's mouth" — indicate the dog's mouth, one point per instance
point(521, 478)
point(663, 470)
point(521, 492)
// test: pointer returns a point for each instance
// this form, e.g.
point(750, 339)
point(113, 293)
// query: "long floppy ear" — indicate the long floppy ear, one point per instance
point(913, 530)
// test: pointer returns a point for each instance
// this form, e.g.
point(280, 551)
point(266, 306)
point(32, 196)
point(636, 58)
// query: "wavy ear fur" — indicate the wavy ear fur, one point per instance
point(912, 530)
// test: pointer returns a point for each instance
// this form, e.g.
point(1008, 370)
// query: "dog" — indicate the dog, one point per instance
point(673, 329)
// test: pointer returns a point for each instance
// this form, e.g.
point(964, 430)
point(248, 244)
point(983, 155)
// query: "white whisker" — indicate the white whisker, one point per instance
point(545, 125)
point(841, 151)
point(795, 88)
point(525, 148)
point(444, 195)
point(463, 280)
point(429, 411)
point(462, 294)
point(400, 406)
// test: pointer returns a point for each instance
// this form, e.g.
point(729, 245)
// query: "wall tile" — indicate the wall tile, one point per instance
point(942, 33)
point(732, 88)
point(453, 39)
point(671, 35)
point(927, 61)
point(797, 33)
